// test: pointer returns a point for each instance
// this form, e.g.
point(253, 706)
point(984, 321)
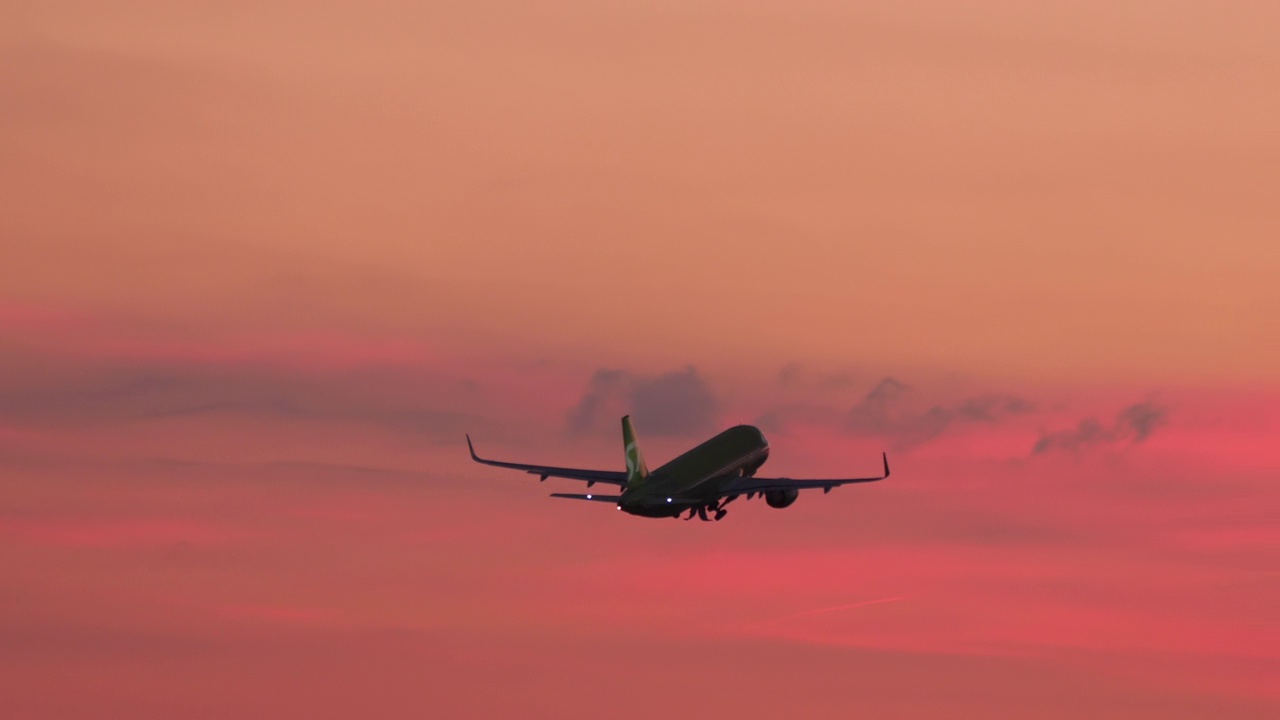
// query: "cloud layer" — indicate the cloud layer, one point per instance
point(1132, 425)
point(676, 403)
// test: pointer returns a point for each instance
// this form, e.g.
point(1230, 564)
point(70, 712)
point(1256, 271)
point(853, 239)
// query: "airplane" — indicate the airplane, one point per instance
point(706, 478)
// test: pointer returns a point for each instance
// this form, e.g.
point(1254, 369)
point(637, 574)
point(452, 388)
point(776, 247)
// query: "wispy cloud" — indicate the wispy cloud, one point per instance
point(67, 370)
point(797, 375)
point(902, 413)
point(888, 410)
point(109, 393)
point(1132, 425)
point(874, 414)
point(675, 403)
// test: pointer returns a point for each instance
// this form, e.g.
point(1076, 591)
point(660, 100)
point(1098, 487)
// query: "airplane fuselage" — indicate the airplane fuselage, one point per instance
point(700, 482)
point(695, 478)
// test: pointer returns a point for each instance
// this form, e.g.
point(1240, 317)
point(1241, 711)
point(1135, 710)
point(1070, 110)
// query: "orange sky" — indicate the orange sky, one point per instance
point(263, 263)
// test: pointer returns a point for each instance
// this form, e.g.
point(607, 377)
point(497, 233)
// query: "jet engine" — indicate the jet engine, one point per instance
point(781, 498)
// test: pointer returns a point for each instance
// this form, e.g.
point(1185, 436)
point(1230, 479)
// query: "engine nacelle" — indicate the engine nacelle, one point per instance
point(781, 498)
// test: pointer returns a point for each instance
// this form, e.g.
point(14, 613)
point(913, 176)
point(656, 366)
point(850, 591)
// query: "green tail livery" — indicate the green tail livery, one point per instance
point(637, 471)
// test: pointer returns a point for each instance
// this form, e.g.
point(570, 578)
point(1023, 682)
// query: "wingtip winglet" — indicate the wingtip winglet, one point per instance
point(472, 448)
point(885, 455)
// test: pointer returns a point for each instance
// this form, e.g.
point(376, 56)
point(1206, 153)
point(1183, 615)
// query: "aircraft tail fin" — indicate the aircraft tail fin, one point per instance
point(637, 471)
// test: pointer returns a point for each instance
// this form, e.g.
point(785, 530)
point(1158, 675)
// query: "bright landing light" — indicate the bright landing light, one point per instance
point(668, 499)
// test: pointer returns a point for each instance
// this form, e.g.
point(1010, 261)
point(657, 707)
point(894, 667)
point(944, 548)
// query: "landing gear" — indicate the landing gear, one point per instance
point(701, 512)
point(710, 512)
point(720, 509)
point(717, 508)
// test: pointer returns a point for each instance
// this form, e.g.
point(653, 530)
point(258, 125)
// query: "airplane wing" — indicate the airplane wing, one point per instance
point(609, 477)
point(763, 485)
point(593, 498)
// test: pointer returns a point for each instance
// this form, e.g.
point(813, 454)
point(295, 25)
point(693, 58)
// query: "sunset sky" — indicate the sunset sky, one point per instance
point(263, 264)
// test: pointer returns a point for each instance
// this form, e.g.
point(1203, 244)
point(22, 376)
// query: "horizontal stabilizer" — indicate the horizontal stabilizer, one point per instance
point(589, 496)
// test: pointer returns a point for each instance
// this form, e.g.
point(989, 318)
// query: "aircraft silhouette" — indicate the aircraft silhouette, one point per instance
point(702, 480)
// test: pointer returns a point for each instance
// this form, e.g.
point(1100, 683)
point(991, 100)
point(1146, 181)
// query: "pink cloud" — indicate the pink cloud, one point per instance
point(971, 549)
